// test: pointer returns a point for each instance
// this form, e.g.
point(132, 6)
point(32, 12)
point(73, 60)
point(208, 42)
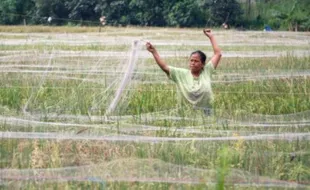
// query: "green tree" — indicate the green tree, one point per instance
point(50, 8)
point(228, 11)
point(15, 11)
point(83, 10)
point(288, 15)
point(147, 12)
point(115, 11)
point(295, 16)
point(185, 13)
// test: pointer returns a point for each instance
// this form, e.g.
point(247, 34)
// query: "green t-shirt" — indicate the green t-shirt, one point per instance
point(196, 90)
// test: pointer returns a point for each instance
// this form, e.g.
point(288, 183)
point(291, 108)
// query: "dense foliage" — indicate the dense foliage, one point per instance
point(248, 14)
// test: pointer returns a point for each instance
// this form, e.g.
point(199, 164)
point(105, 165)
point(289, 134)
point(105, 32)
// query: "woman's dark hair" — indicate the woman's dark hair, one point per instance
point(202, 55)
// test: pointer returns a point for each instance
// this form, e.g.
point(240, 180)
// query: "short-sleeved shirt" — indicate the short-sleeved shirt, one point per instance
point(196, 90)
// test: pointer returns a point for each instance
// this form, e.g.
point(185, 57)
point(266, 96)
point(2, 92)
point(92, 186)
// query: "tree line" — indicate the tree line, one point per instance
point(244, 14)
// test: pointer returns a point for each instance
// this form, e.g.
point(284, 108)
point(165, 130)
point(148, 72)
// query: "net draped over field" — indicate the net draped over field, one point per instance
point(96, 108)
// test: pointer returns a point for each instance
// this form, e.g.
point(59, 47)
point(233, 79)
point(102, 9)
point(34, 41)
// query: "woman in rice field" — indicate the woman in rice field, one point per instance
point(195, 83)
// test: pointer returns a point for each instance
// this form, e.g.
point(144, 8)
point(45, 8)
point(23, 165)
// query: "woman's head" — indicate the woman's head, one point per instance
point(197, 61)
point(202, 55)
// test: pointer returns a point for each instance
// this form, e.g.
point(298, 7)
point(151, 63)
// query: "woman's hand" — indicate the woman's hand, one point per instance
point(208, 33)
point(217, 51)
point(150, 47)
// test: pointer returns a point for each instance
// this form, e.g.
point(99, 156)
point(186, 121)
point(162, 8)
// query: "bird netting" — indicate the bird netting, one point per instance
point(102, 112)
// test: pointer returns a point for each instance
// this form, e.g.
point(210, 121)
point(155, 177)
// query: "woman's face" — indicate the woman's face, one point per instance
point(195, 63)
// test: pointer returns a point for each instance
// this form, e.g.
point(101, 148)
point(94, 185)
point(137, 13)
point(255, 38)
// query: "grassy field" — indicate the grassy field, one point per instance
point(83, 109)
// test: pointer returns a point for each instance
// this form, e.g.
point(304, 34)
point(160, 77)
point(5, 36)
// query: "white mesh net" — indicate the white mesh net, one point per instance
point(80, 108)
